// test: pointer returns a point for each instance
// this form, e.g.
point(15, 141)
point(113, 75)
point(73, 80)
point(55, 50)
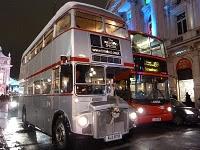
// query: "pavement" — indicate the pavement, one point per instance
point(160, 136)
point(3, 116)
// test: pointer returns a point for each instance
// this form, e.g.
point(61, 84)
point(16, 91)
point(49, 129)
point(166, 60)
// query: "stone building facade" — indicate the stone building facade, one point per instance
point(4, 72)
point(177, 23)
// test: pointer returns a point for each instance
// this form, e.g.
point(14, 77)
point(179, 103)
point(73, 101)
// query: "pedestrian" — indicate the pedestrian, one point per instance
point(188, 100)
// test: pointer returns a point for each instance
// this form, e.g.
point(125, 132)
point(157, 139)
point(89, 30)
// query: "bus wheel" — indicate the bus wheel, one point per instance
point(61, 134)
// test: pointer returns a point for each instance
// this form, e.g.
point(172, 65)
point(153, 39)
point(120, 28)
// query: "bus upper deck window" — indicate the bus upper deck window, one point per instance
point(48, 37)
point(116, 28)
point(157, 48)
point(89, 22)
point(63, 24)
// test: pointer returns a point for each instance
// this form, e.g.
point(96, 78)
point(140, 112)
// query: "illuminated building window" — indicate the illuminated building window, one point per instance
point(181, 23)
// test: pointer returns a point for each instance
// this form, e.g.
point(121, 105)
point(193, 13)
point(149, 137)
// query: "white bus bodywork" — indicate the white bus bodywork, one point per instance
point(43, 109)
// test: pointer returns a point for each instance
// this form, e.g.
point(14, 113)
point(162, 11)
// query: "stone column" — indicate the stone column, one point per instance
point(172, 75)
point(190, 14)
point(157, 17)
point(136, 16)
point(196, 76)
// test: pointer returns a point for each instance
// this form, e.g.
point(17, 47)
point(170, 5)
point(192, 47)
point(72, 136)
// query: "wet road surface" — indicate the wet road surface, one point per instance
point(152, 137)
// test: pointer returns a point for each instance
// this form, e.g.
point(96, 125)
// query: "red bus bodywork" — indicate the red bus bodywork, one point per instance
point(150, 112)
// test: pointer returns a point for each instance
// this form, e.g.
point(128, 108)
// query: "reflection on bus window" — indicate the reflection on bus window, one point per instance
point(63, 24)
point(116, 28)
point(90, 80)
point(56, 80)
point(37, 87)
point(117, 81)
point(149, 87)
point(147, 45)
point(30, 89)
point(89, 22)
point(66, 79)
point(46, 86)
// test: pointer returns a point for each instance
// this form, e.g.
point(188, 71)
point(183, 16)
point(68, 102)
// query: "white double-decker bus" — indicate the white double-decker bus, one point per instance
point(68, 75)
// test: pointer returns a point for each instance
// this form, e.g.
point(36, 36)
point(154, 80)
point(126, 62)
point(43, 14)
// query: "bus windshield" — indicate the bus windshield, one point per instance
point(143, 88)
point(115, 28)
point(152, 88)
point(114, 75)
point(147, 45)
point(90, 80)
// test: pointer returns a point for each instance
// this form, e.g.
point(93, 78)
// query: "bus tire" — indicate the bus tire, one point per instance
point(61, 134)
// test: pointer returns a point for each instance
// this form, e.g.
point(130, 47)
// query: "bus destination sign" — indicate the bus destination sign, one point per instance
point(105, 45)
point(144, 64)
point(105, 51)
point(151, 66)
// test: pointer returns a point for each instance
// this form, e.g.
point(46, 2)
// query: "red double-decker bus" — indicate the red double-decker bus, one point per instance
point(146, 86)
point(149, 80)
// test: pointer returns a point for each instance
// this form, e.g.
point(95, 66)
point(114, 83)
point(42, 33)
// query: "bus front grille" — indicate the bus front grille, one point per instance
point(105, 124)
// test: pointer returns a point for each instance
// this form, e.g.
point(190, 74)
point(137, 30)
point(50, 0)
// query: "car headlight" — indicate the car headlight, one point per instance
point(140, 110)
point(83, 121)
point(13, 104)
point(169, 109)
point(132, 116)
point(189, 112)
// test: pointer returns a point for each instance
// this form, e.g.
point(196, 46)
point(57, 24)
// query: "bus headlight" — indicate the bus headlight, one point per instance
point(13, 104)
point(169, 109)
point(132, 116)
point(140, 110)
point(83, 121)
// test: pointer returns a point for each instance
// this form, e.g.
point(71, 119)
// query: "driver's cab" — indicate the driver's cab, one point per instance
point(118, 82)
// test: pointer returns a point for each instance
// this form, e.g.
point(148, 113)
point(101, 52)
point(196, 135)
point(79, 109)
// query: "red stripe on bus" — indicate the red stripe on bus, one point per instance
point(43, 70)
point(129, 64)
point(149, 56)
point(152, 74)
point(81, 59)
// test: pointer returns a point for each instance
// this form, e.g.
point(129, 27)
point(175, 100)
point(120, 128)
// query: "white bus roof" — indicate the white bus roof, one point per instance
point(65, 8)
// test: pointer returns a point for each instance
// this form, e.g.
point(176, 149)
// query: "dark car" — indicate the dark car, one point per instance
point(183, 114)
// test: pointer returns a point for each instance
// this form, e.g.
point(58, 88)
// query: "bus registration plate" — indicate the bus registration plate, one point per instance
point(113, 137)
point(156, 119)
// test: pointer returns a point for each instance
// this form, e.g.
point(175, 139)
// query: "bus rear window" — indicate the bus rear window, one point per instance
point(116, 28)
point(89, 22)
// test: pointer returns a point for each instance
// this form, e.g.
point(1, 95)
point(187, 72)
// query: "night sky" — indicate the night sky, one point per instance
point(22, 20)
